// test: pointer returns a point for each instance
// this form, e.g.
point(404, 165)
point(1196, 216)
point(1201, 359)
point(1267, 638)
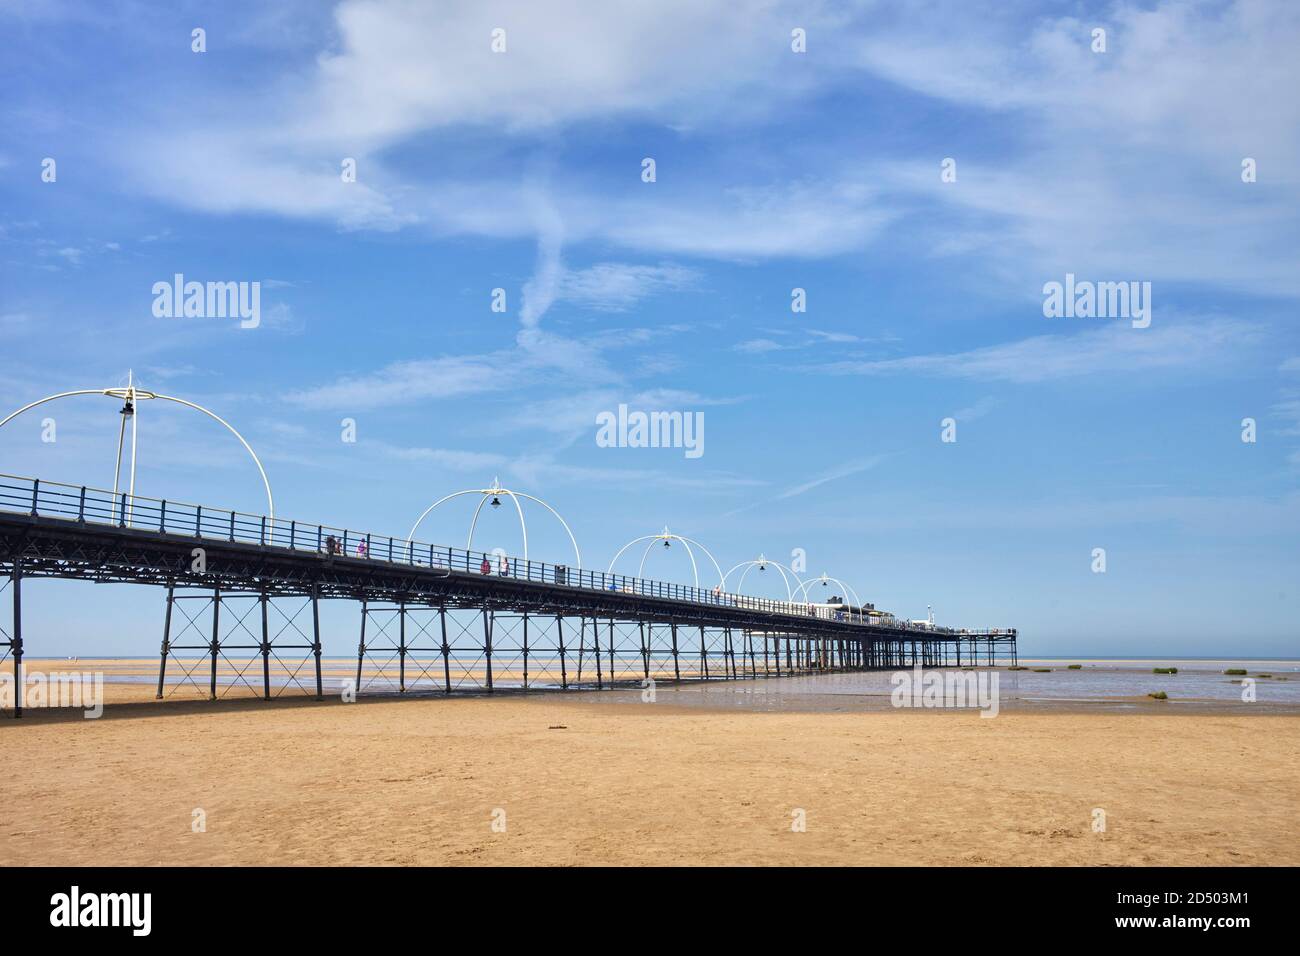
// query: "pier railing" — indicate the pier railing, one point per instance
point(47, 499)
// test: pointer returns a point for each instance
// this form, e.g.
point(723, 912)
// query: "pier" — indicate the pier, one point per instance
point(244, 595)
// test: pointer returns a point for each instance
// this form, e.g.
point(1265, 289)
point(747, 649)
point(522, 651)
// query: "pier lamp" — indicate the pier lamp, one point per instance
point(492, 496)
point(826, 581)
point(667, 538)
point(131, 395)
point(761, 564)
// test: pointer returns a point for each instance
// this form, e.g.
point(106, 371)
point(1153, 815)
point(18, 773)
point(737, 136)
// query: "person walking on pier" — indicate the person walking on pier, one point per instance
point(362, 550)
point(486, 566)
point(330, 544)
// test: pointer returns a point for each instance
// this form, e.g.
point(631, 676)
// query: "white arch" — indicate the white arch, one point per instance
point(824, 579)
point(134, 395)
point(761, 562)
point(667, 535)
point(695, 568)
point(495, 491)
point(266, 483)
point(473, 523)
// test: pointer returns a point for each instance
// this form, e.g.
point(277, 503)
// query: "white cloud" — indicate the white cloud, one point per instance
point(761, 346)
point(617, 286)
point(1113, 348)
point(845, 470)
point(1114, 165)
point(444, 458)
point(410, 381)
point(977, 411)
point(1129, 154)
point(835, 474)
point(403, 67)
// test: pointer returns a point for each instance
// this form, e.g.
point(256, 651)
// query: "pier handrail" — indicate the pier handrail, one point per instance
point(79, 503)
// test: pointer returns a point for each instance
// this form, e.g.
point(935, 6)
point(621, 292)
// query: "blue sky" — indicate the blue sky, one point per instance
point(774, 170)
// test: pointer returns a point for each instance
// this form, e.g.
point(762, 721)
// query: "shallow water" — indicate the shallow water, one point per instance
point(1109, 686)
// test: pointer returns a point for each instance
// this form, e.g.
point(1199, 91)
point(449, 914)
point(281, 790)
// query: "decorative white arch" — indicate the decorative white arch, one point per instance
point(494, 494)
point(761, 562)
point(667, 537)
point(131, 396)
point(827, 580)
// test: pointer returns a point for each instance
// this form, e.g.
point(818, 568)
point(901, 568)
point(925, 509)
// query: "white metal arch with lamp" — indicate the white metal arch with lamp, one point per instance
point(492, 497)
point(131, 395)
point(667, 537)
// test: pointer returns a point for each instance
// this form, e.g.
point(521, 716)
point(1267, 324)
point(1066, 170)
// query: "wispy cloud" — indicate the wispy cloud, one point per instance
point(838, 473)
point(977, 411)
point(1111, 348)
point(762, 346)
point(617, 286)
point(803, 339)
point(410, 381)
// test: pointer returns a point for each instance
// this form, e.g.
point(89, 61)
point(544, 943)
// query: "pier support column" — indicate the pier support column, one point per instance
point(16, 637)
point(564, 667)
point(266, 647)
point(446, 649)
point(611, 652)
point(401, 647)
point(487, 645)
point(315, 646)
point(166, 641)
point(525, 650)
point(361, 645)
point(582, 651)
point(645, 650)
point(677, 671)
point(216, 641)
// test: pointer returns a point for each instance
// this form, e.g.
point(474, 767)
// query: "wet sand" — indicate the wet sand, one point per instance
point(417, 781)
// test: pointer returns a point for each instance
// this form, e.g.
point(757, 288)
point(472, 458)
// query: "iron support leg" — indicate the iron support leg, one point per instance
point(611, 654)
point(166, 642)
point(525, 650)
point(446, 649)
point(16, 640)
point(401, 647)
point(315, 628)
point(266, 649)
point(216, 641)
point(361, 644)
point(487, 645)
point(564, 669)
point(677, 671)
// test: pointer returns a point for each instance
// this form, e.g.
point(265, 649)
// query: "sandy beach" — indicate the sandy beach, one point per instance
point(421, 781)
